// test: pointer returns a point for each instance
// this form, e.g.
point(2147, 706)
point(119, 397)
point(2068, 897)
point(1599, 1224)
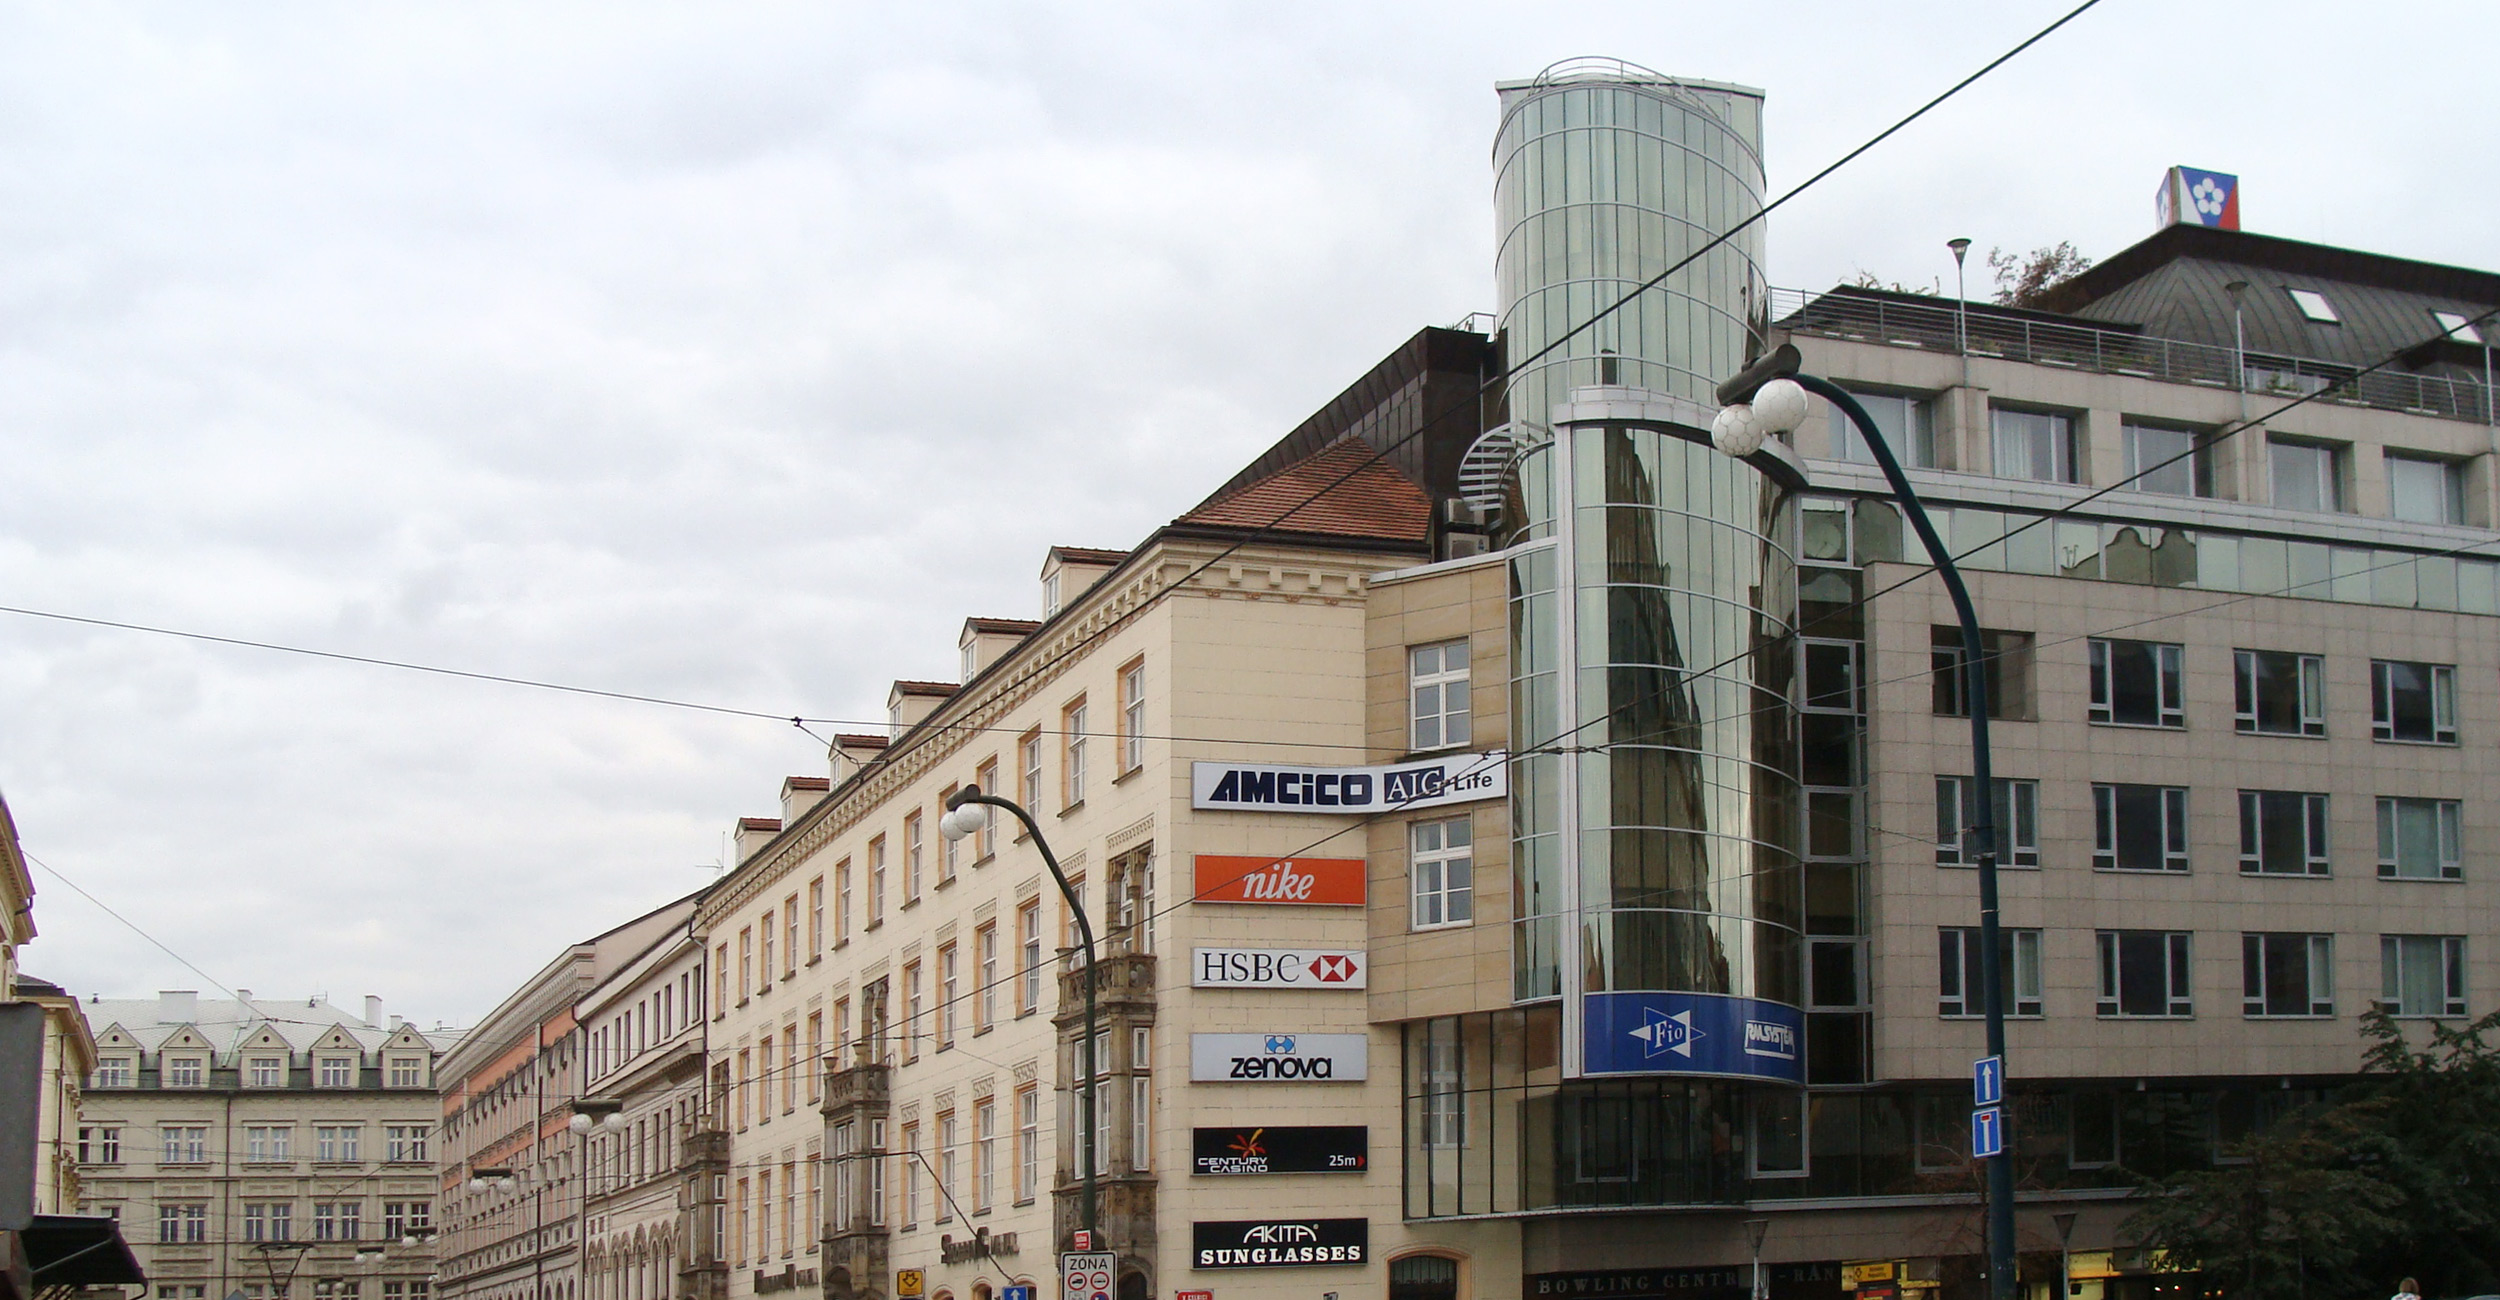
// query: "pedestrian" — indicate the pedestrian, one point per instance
point(2408, 1290)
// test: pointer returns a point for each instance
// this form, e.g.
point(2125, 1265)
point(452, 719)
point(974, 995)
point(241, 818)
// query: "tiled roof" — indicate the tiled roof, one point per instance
point(859, 740)
point(1017, 626)
point(1087, 555)
point(902, 687)
point(1374, 501)
point(759, 823)
point(808, 783)
point(226, 1022)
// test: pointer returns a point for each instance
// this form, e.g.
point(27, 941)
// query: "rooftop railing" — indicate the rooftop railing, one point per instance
point(1874, 318)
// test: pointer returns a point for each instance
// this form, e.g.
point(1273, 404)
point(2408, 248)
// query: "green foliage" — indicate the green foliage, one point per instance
point(2400, 1177)
point(2023, 280)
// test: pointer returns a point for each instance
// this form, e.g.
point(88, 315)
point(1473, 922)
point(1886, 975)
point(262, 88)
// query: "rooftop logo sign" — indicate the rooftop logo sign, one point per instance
point(1385, 787)
point(2190, 197)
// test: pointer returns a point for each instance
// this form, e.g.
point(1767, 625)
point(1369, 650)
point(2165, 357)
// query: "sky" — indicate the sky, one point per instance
point(735, 353)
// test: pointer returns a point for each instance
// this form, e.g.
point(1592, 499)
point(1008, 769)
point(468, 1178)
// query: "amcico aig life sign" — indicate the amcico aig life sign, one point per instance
point(1386, 787)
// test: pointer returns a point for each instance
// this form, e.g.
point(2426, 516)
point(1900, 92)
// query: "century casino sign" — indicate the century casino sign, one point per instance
point(1385, 787)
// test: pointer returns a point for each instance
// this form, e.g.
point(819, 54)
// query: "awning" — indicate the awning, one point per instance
point(66, 1250)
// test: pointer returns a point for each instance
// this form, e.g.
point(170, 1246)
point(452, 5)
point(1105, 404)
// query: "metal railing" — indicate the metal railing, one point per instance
point(1875, 318)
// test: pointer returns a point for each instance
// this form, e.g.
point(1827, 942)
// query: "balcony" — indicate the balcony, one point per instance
point(1127, 986)
point(1859, 316)
point(869, 1087)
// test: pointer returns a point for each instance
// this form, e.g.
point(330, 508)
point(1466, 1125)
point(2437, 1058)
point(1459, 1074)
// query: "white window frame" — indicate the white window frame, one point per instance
point(2130, 438)
point(1029, 943)
point(1438, 900)
point(2309, 682)
point(2447, 826)
point(1028, 1143)
point(1912, 435)
point(2458, 326)
point(267, 1071)
point(1957, 953)
point(113, 1072)
point(1072, 770)
point(2443, 691)
point(2169, 684)
point(2178, 976)
point(185, 1071)
point(2451, 488)
point(1439, 698)
point(2063, 448)
point(2316, 846)
point(2329, 464)
point(1133, 717)
point(2313, 306)
point(2392, 965)
point(2173, 830)
point(2018, 840)
point(2319, 953)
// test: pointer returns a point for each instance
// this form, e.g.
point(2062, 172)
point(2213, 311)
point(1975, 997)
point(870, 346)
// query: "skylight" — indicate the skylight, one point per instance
point(2458, 327)
point(2314, 305)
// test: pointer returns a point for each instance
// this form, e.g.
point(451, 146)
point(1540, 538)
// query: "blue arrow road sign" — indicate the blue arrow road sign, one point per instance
point(1987, 1132)
point(1987, 1081)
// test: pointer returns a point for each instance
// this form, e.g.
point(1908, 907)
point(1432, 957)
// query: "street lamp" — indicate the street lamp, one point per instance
point(1755, 1231)
point(2238, 289)
point(2065, 1221)
point(1961, 305)
point(963, 818)
point(1769, 398)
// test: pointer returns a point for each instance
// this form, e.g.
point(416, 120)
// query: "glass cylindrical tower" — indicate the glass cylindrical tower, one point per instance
point(1655, 800)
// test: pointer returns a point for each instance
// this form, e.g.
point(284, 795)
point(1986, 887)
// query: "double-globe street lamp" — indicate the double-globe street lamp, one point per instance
point(1767, 399)
point(964, 816)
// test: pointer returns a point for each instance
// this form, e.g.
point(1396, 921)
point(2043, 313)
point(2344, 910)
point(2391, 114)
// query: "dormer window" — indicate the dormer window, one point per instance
point(268, 1071)
point(972, 658)
point(1050, 595)
point(894, 720)
point(338, 1072)
point(2458, 327)
point(185, 1072)
point(112, 1072)
point(2314, 305)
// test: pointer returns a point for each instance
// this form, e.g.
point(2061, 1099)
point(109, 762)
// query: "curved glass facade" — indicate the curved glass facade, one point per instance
point(1603, 179)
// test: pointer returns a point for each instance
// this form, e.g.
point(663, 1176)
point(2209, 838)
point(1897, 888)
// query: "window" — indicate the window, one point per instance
point(183, 1072)
point(2416, 702)
point(268, 1221)
point(1050, 595)
point(789, 940)
point(911, 1012)
point(789, 1068)
point(984, 1155)
point(403, 1142)
point(182, 1223)
point(407, 1072)
point(815, 917)
point(815, 1070)
point(2017, 816)
point(2417, 839)
point(2282, 833)
point(1028, 1143)
point(1442, 872)
point(268, 1071)
point(2425, 491)
point(100, 1145)
point(2287, 974)
point(1907, 423)
point(1029, 939)
point(1958, 990)
point(945, 1204)
point(2165, 460)
point(841, 902)
point(876, 882)
point(1437, 695)
point(1133, 716)
point(336, 1220)
point(2422, 974)
point(985, 951)
point(914, 852)
point(765, 930)
point(971, 660)
point(746, 964)
point(2279, 693)
point(338, 1072)
point(2144, 973)
point(2458, 327)
point(911, 1176)
point(399, 1218)
point(2005, 662)
point(2314, 306)
point(2306, 476)
point(2034, 445)
point(1072, 768)
point(1029, 770)
point(266, 1142)
point(2137, 684)
point(948, 959)
point(112, 1072)
point(1129, 896)
point(720, 980)
point(2139, 827)
point(950, 849)
point(985, 840)
point(1444, 1117)
point(1141, 1086)
point(337, 1143)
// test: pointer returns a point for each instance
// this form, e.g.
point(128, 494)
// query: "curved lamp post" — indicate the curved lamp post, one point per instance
point(964, 816)
point(1769, 398)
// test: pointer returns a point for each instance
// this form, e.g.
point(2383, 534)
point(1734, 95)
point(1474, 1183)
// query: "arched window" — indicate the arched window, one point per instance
point(1423, 1277)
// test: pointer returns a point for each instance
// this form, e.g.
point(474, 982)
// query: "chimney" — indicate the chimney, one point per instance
point(177, 1006)
point(800, 793)
point(373, 1012)
point(752, 833)
point(396, 1022)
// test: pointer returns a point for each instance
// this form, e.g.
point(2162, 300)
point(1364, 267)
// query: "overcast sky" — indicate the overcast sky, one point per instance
point(735, 353)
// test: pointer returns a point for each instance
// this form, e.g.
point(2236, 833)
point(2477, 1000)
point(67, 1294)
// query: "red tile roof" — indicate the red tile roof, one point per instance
point(1017, 626)
point(807, 783)
point(1087, 555)
point(759, 823)
point(926, 688)
point(1373, 500)
point(858, 740)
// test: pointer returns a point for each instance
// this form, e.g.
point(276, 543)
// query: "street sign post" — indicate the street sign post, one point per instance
point(908, 1283)
point(1987, 1081)
point(1086, 1275)
point(1987, 1132)
point(1018, 1292)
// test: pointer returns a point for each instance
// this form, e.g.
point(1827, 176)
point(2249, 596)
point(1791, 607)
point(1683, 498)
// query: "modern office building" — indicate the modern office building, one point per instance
point(274, 1147)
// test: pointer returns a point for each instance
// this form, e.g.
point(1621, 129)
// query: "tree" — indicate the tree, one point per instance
point(2023, 281)
point(2290, 1218)
point(1868, 280)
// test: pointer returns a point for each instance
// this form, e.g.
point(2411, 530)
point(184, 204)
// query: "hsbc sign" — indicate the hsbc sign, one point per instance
point(1322, 969)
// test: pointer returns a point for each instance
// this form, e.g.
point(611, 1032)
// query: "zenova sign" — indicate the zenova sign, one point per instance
point(1386, 787)
point(1279, 1058)
point(1277, 968)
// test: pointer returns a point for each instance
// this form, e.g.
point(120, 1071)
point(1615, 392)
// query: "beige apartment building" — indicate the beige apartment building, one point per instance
point(643, 1073)
point(280, 1148)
